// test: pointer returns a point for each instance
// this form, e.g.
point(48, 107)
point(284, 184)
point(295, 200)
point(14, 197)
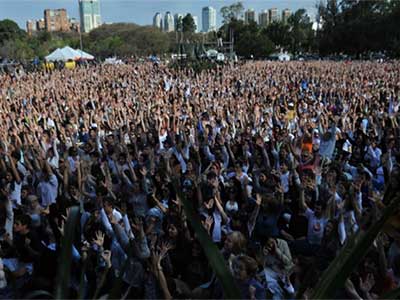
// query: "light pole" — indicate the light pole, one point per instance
point(80, 25)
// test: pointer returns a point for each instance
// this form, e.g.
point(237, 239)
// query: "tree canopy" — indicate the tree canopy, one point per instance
point(188, 24)
point(232, 12)
point(355, 26)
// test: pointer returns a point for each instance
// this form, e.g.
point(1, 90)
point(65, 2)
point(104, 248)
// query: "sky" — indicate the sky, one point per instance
point(138, 11)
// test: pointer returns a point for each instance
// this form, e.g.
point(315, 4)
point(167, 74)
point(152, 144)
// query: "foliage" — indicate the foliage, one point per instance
point(250, 39)
point(355, 27)
point(232, 12)
point(212, 252)
point(351, 255)
point(64, 265)
point(188, 24)
point(10, 30)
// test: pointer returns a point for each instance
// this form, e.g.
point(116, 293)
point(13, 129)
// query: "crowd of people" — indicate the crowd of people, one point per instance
point(283, 163)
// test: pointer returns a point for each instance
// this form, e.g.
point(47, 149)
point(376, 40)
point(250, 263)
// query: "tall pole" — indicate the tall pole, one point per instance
point(80, 39)
point(80, 26)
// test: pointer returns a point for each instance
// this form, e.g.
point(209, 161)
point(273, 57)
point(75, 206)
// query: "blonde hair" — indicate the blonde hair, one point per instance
point(239, 242)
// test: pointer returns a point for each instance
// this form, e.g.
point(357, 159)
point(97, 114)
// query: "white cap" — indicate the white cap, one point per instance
point(347, 146)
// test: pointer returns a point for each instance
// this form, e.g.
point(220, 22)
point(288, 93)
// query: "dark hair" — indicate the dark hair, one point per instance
point(109, 201)
point(16, 154)
point(24, 220)
point(250, 264)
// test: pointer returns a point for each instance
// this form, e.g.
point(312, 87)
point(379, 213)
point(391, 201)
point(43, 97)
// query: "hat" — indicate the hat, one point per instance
point(347, 146)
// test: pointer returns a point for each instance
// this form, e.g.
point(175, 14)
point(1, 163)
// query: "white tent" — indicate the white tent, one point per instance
point(67, 53)
point(283, 57)
point(56, 55)
point(84, 55)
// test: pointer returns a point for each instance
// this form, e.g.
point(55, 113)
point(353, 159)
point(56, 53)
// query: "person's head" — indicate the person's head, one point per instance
point(87, 148)
point(306, 155)
point(9, 176)
point(318, 209)
point(269, 246)
point(73, 151)
point(24, 191)
point(93, 133)
point(212, 178)
point(263, 178)
point(108, 205)
point(22, 224)
point(327, 135)
point(73, 189)
point(244, 267)
point(32, 201)
point(136, 187)
point(173, 231)
point(235, 243)
point(122, 159)
point(330, 228)
point(238, 169)
point(284, 167)
point(50, 152)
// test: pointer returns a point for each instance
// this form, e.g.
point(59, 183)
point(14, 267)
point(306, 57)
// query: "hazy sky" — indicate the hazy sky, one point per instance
point(137, 11)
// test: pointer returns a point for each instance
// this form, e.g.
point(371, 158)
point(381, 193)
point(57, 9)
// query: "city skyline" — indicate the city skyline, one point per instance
point(138, 11)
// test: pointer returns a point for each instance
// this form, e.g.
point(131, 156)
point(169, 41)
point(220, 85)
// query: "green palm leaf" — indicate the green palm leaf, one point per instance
point(351, 255)
point(64, 265)
point(213, 254)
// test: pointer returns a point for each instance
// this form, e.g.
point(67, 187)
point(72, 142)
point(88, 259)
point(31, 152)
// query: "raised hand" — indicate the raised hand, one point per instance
point(367, 284)
point(208, 223)
point(99, 240)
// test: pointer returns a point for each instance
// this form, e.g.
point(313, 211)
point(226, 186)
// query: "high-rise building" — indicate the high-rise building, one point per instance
point(273, 15)
point(178, 22)
point(158, 21)
point(74, 25)
point(263, 18)
point(40, 25)
point(168, 22)
point(31, 27)
point(209, 19)
point(249, 16)
point(89, 11)
point(196, 23)
point(285, 15)
point(56, 20)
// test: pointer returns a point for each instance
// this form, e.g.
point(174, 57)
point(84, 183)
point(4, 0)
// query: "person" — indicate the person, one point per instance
point(282, 164)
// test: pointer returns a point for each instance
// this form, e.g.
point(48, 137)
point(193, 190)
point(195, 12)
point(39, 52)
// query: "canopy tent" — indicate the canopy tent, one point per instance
point(67, 53)
point(212, 53)
point(84, 55)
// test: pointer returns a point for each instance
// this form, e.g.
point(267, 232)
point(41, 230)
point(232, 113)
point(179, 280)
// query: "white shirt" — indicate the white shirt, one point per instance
point(15, 195)
point(285, 181)
point(316, 227)
point(47, 191)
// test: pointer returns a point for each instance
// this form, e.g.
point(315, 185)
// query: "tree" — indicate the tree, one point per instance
point(357, 27)
point(179, 24)
point(232, 12)
point(278, 33)
point(9, 30)
point(188, 24)
point(16, 49)
point(301, 33)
